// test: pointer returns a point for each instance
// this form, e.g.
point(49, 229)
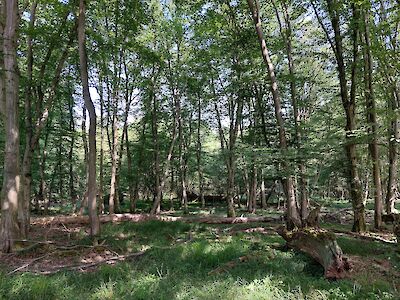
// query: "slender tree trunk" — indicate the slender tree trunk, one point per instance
point(293, 217)
point(43, 196)
point(157, 169)
point(34, 130)
point(263, 195)
point(171, 191)
point(60, 164)
point(228, 147)
point(84, 201)
point(287, 35)
point(372, 122)
point(114, 161)
point(349, 105)
point(93, 216)
point(253, 189)
point(72, 192)
point(138, 167)
point(9, 95)
point(159, 188)
point(182, 166)
point(198, 154)
point(101, 162)
point(394, 137)
point(26, 179)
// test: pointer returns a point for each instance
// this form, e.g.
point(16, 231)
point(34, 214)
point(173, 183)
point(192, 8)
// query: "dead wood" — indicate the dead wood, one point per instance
point(364, 236)
point(28, 264)
point(320, 245)
point(83, 267)
point(136, 218)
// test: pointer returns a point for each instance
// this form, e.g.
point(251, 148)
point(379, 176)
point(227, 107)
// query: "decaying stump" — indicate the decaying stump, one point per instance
point(320, 245)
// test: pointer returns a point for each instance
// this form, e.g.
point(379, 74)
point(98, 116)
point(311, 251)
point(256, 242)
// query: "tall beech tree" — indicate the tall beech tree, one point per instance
point(348, 99)
point(92, 188)
point(9, 99)
point(293, 217)
point(370, 103)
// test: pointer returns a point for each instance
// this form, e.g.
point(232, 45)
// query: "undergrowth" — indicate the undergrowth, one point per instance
point(185, 261)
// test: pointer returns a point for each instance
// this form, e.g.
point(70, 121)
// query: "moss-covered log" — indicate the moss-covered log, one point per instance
point(320, 245)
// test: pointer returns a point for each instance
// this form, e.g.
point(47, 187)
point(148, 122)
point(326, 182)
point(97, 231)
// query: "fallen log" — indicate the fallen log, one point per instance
point(365, 236)
point(136, 218)
point(320, 245)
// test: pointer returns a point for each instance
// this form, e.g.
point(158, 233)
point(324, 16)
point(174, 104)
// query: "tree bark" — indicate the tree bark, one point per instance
point(372, 122)
point(101, 163)
point(113, 201)
point(34, 131)
point(162, 179)
point(156, 154)
point(322, 246)
point(72, 192)
point(9, 95)
point(287, 36)
point(93, 216)
point(394, 137)
point(199, 154)
point(84, 200)
point(26, 179)
point(349, 105)
point(293, 217)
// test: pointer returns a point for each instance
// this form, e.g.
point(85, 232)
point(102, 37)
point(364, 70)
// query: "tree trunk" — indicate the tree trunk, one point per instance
point(93, 216)
point(157, 169)
point(322, 246)
point(113, 201)
point(101, 163)
point(84, 200)
point(287, 35)
point(72, 192)
point(394, 137)
point(42, 184)
point(372, 122)
point(26, 179)
point(160, 187)
point(9, 95)
point(263, 195)
point(349, 105)
point(199, 154)
point(182, 166)
point(293, 217)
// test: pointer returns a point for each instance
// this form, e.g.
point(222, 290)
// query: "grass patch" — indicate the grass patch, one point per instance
point(181, 263)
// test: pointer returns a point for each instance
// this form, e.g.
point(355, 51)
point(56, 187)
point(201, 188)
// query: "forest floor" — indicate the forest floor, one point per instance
point(176, 260)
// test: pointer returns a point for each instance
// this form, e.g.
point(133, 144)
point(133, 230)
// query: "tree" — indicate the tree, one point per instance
point(293, 218)
point(372, 119)
point(91, 189)
point(9, 89)
point(348, 101)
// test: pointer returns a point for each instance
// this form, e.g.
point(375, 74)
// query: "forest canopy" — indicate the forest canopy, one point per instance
point(148, 106)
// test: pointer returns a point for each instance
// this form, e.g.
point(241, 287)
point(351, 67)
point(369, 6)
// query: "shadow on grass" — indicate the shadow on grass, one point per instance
point(180, 264)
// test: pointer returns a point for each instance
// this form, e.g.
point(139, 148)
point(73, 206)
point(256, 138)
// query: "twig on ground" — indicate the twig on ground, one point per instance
point(86, 266)
point(363, 236)
point(28, 264)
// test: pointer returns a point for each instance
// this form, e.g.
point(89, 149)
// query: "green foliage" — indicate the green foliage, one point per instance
point(193, 262)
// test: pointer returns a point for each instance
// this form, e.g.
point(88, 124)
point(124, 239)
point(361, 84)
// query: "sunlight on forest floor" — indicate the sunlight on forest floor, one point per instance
point(189, 261)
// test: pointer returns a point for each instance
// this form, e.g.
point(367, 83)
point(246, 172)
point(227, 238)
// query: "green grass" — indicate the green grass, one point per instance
point(179, 260)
